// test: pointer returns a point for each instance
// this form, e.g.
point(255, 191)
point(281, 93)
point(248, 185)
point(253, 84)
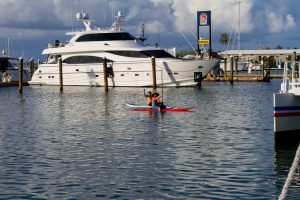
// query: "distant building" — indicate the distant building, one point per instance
point(283, 54)
point(279, 56)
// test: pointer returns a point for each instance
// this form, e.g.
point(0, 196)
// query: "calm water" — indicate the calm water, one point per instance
point(84, 144)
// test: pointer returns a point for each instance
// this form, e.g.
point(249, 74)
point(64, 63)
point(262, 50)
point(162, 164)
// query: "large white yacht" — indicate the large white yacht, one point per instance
point(129, 60)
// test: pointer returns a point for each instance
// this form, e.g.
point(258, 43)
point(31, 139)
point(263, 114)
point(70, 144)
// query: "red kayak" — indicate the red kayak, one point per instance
point(162, 110)
point(149, 109)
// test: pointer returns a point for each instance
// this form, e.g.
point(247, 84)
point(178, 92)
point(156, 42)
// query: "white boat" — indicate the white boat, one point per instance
point(242, 65)
point(287, 106)
point(9, 68)
point(129, 60)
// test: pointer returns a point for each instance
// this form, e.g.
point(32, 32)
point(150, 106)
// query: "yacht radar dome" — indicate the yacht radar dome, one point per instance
point(82, 16)
point(85, 19)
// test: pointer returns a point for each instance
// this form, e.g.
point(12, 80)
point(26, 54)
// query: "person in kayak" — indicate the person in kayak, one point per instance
point(148, 97)
point(155, 101)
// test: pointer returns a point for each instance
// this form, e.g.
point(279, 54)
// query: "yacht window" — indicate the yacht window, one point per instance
point(157, 54)
point(105, 37)
point(52, 59)
point(84, 60)
point(135, 54)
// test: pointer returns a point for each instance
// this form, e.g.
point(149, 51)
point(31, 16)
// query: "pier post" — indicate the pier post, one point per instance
point(153, 72)
point(31, 67)
point(236, 59)
point(105, 74)
point(269, 69)
point(294, 65)
point(21, 64)
point(231, 70)
point(225, 68)
point(263, 68)
point(61, 83)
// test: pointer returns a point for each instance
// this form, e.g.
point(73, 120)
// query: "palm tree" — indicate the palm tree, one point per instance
point(224, 39)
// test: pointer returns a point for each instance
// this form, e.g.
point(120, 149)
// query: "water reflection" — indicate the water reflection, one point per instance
point(284, 157)
point(85, 144)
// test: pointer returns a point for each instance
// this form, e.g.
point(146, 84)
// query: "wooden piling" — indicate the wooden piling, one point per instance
point(236, 60)
point(269, 69)
point(231, 70)
point(225, 68)
point(294, 65)
point(61, 83)
point(263, 68)
point(21, 64)
point(153, 72)
point(31, 67)
point(105, 74)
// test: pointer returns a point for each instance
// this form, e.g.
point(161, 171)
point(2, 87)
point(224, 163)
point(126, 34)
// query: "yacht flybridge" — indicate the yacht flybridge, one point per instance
point(129, 60)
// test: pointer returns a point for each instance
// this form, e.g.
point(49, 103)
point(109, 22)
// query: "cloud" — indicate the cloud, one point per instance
point(290, 22)
point(50, 19)
point(278, 23)
point(170, 15)
point(223, 12)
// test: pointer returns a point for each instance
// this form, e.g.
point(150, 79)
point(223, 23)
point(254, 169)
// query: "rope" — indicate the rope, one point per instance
point(291, 175)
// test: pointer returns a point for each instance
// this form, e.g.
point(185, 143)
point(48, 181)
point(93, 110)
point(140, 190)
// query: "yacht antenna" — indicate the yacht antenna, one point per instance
point(118, 22)
point(142, 35)
point(143, 31)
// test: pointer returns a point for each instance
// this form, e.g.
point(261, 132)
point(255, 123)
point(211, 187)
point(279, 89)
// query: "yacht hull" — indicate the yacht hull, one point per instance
point(169, 73)
point(286, 116)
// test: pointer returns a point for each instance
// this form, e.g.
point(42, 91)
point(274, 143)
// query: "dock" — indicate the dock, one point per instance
point(242, 77)
point(12, 84)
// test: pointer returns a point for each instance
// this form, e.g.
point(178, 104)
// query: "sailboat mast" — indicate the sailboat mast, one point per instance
point(239, 29)
point(8, 44)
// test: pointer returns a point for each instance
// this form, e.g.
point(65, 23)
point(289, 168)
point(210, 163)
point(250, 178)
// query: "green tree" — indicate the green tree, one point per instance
point(224, 39)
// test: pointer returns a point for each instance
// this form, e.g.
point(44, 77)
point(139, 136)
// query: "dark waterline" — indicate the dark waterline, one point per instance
point(85, 144)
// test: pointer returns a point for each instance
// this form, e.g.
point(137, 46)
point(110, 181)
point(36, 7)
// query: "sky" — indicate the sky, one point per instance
point(29, 25)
